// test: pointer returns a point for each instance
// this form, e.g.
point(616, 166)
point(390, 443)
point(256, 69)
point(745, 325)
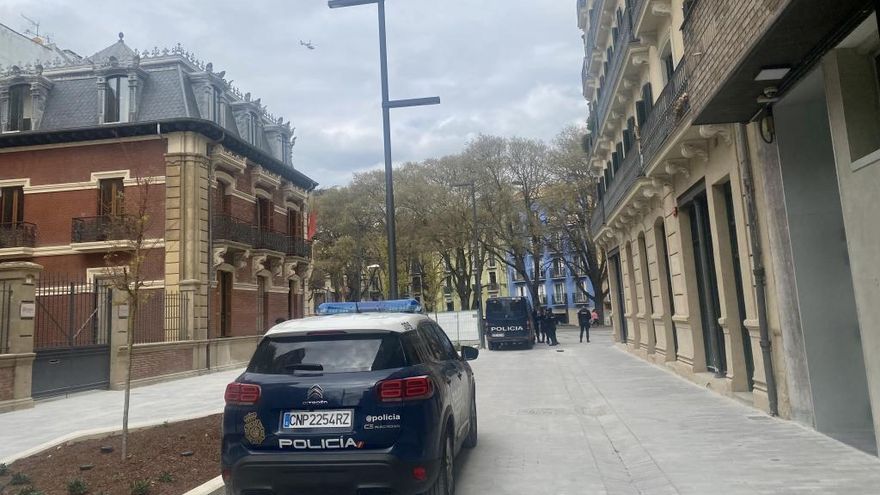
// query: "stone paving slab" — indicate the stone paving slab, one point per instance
point(600, 421)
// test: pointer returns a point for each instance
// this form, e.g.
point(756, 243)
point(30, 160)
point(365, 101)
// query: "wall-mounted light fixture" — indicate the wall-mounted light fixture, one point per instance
point(774, 73)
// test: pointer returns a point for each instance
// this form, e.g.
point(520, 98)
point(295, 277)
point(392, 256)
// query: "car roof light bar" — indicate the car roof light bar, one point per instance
point(392, 306)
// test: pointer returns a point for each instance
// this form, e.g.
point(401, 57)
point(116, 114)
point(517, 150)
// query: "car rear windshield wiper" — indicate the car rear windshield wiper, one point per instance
point(304, 367)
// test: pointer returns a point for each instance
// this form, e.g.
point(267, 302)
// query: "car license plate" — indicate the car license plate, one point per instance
point(302, 420)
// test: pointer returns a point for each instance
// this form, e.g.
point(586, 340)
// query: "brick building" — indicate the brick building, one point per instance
point(736, 145)
point(84, 141)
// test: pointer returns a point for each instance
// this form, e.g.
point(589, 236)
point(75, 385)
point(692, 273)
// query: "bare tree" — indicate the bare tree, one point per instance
point(126, 267)
point(569, 204)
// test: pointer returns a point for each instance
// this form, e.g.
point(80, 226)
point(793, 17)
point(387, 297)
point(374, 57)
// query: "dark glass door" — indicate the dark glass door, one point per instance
point(737, 275)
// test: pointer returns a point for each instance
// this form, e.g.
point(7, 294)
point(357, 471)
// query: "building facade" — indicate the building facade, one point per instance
point(560, 288)
point(85, 143)
point(736, 147)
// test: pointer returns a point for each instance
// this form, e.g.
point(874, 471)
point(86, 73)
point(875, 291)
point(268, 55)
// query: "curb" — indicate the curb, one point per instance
point(214, 486)
point(83, 435)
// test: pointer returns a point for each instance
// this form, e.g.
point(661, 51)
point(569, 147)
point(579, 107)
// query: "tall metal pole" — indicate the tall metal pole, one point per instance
point(389, 182)
point(478, 268)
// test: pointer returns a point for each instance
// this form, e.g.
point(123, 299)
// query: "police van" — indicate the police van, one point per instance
point(509, 322)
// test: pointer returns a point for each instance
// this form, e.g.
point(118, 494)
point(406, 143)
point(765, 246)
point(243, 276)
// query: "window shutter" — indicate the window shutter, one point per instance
point(648, 98)
point(641, 114)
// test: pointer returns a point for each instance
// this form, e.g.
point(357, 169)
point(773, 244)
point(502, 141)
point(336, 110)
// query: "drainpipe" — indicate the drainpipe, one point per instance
point(745, 163)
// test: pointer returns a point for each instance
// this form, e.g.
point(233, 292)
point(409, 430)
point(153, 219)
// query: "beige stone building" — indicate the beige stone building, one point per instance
point(737, 145)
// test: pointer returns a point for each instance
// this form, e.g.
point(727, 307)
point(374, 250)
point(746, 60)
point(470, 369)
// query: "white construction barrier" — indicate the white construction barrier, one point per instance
point(462, 327)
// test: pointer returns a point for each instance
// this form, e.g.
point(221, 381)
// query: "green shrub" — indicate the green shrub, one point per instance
point(20, 479)
point(77, 487)
point(4, 469)
point(140, 487)
point(166, 477)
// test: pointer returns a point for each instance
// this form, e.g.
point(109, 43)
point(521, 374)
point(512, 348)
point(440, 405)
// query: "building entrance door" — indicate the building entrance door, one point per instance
point(618, 310)
point(704, 261)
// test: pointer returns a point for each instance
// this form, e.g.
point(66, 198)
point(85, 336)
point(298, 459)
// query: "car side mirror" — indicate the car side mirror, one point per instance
point(469, 353)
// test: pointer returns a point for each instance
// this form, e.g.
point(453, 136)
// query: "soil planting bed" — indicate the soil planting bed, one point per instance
point(164, 460)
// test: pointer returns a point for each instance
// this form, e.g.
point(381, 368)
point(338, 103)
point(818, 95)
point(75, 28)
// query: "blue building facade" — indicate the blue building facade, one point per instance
point(559, 286)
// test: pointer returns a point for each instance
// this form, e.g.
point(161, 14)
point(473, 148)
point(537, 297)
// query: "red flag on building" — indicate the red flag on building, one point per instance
point(313, 223)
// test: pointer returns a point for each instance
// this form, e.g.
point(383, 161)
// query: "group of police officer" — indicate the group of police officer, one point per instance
point(546, 323)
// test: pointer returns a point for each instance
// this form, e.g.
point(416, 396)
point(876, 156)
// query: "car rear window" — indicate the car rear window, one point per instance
point(506, 308)
point(342, 353)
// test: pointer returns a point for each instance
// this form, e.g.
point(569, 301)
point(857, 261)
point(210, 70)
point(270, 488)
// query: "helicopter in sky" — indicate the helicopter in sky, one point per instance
point(308, 44)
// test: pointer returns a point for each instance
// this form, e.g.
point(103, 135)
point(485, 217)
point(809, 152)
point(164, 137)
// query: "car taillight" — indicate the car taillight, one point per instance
point(414, 388)
point(242, 393)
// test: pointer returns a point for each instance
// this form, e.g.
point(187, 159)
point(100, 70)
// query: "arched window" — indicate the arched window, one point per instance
point(20, 108)
point(116, 100)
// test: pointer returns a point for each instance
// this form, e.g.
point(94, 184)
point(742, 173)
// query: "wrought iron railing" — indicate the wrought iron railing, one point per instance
point(229, 228)
point(580, 297)
point(271, 240)
point(492, 287)
point(615, 67)
point(593, 32)
point(18, 234)
point(299, 247)
point(102, 228)
point(668, 110)
point(162, 317)
point(626, 176)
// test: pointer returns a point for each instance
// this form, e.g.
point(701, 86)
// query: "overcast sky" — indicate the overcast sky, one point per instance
point(506, 67)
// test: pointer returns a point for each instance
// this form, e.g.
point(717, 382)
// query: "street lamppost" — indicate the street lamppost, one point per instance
point(478, 274)
point(387, 105)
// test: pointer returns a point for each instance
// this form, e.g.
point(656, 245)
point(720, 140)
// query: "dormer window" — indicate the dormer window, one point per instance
point(215, 105)
point(252, 129)
point(116, 102)
point(20, 108)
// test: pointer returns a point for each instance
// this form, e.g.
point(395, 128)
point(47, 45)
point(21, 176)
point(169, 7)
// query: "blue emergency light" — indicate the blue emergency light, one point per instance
point(394, 306)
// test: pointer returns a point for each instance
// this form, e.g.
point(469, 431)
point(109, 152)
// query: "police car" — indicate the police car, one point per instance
point(362, 401)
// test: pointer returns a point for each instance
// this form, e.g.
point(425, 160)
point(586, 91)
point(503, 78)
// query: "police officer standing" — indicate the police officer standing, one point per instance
point(549, 324)
point(584, 318)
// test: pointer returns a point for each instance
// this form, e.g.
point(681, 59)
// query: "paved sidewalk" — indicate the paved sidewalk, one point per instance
point(54, 418)
point(595, 420)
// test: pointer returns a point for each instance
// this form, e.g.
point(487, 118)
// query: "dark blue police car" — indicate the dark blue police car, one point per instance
point(355, 403)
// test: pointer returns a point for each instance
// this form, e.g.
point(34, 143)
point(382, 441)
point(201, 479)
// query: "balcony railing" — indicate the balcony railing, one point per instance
point(580, 297)
point(558, 272)
point(560, 299)
point(492, 287)
point(668, 110)
point(18, 234)
point(593, 31)
point(271, 240)
point(101, 228)
point(229, 228)
point(299, 247)
point(615, 67)
point(626, 176)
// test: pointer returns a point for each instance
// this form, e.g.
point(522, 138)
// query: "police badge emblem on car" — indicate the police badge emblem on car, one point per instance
point(254, 431)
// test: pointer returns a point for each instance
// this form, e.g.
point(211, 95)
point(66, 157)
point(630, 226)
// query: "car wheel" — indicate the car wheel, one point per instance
point(471, 440)
point(445, 483)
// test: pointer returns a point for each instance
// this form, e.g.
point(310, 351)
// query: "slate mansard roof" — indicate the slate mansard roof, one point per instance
point(172, 85)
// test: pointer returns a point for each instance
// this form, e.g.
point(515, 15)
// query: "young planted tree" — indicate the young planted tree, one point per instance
point(129, 225)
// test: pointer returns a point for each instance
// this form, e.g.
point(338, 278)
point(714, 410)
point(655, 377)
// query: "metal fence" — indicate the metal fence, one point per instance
point(462, 327)
point(5, 306)
point(71, 313)
point(162, 317)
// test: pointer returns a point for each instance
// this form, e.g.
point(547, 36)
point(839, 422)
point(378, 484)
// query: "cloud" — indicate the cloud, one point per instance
point(507, 67)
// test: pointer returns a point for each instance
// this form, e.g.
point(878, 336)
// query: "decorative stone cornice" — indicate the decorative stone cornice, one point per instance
point(676, 167)
point(661, 8)
point(695, 149)
point(712, 130)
